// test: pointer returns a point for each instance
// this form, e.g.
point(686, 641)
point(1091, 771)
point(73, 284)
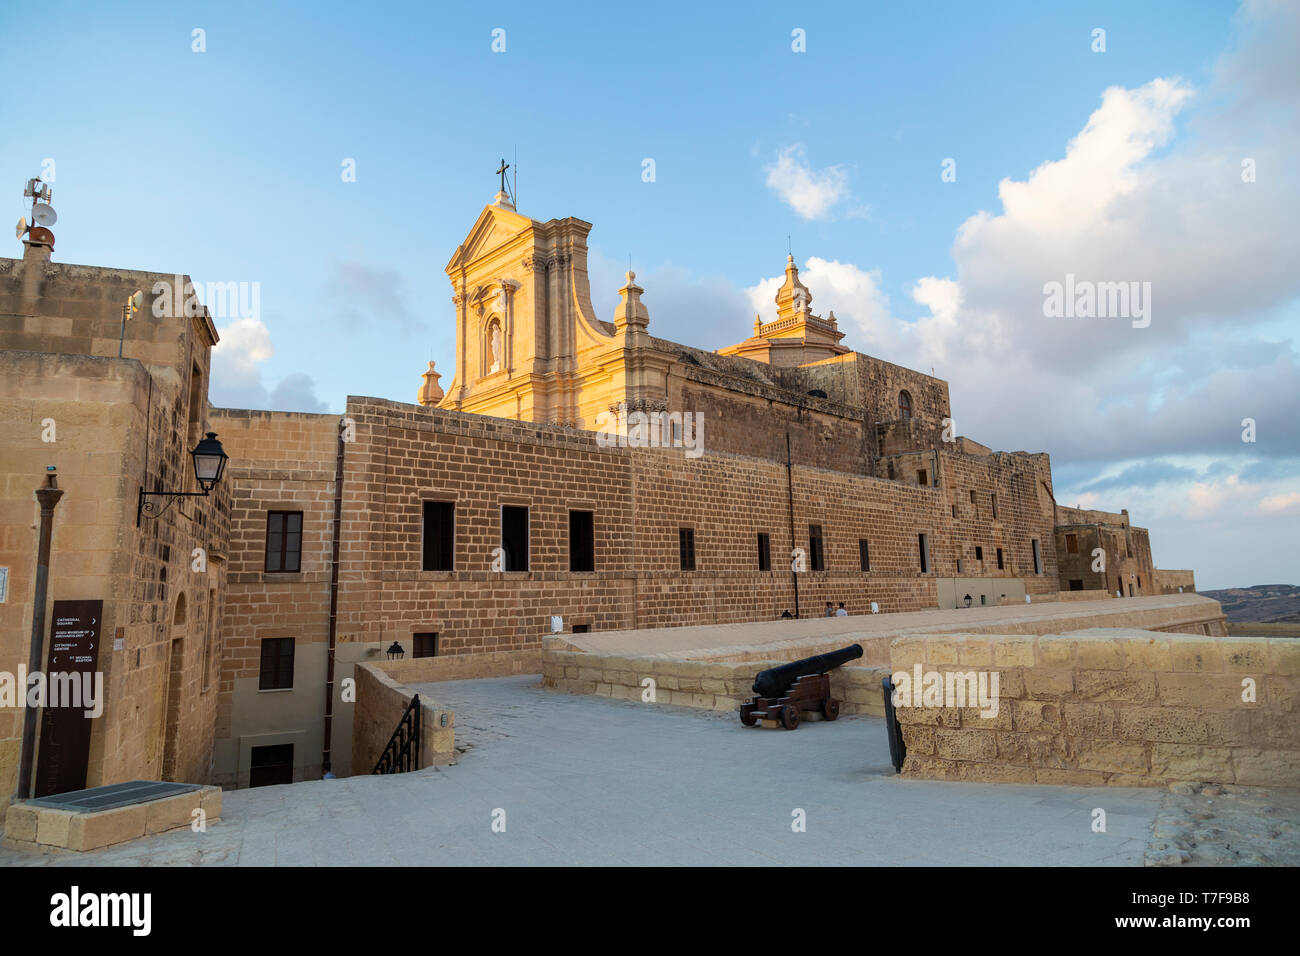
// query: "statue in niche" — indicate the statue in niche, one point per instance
point(494, 340)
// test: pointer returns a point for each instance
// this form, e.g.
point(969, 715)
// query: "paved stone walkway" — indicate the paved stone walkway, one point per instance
point(587, 780)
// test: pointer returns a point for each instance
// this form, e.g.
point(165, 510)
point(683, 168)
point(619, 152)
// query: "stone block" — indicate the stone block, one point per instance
point(1192, 656)
point(964, 744)
point(1048, 684)
point(1081, 718)
point(940, 650)
point(1284, 657)
point(1177, 725)
point(20, 822)
point(1207, 691)
point(1112, 756)
point(1036, 715)
point(1013, 652)
point(1054, 651)
point(172, 812)
point(975, 652)
point(1245, 657)
point(1115, 685)
point(1266, 768)
point(1192, 762)
point(1152, 654)
point(1101, 653)
point(90, 831)
point(53, 826)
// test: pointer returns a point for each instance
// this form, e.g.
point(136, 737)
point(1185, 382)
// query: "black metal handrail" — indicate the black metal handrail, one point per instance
point(403, 751)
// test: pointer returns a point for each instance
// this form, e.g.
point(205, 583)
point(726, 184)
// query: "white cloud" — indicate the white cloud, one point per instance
point(237, 365)
point(810, 193)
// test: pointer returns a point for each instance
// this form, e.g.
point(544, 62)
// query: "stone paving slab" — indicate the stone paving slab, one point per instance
point(593, 781)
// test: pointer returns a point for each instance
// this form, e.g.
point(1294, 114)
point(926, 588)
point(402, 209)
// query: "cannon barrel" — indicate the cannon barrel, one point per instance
point(775, 681)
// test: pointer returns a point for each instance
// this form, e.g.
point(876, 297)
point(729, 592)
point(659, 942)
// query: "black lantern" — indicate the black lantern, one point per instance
point(209, 465)
point(396, 652)
point(966, 600)
point(209, 461)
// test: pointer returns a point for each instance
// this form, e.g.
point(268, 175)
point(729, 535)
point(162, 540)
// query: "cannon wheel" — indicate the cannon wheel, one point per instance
point(747, 715)
point(789, 717)
point(831, 709)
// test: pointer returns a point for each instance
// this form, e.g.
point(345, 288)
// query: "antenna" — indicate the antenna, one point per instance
point(43, 214)
point(515, 189)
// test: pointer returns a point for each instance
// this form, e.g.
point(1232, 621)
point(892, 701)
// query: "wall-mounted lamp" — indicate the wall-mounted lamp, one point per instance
point(396, 652)
point(209, 464)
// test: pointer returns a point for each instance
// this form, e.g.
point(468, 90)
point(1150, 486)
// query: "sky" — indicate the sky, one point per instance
point(933, 167)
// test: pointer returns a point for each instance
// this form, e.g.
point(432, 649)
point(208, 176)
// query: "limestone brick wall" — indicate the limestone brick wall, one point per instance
point(1104, 706)
point(422, 670)
point(381, 702)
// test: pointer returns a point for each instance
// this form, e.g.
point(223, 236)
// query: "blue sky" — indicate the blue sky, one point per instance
point(226, 164)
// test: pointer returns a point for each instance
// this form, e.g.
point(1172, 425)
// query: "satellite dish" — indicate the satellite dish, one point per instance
point(137, 300)
point(21, 227)
point(44, 236)
point(44, 214)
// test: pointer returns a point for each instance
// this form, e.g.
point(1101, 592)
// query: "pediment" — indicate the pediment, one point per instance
point(495, 226)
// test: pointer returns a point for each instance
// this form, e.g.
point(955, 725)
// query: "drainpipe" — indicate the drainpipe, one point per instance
point(789, 483)
point(334, 600)
point(48, 497)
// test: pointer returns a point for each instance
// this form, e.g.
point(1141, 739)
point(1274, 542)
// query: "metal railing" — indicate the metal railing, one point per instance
point(403, 751)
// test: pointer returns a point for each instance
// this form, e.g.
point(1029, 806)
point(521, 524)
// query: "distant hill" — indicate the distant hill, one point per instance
point(1259, 603)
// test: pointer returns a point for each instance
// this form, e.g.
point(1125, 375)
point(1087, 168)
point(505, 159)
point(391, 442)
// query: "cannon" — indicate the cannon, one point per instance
point(782, 692)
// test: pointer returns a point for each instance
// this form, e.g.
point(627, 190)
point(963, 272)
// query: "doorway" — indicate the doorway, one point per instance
point(271, 765)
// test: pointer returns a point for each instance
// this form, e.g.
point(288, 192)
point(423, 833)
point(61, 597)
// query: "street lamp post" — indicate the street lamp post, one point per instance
point(48, 497)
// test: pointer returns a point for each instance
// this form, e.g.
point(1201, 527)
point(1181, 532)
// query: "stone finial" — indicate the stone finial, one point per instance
point(631, 313)
point(501, 199)
point(758, 323)
point(430, 393)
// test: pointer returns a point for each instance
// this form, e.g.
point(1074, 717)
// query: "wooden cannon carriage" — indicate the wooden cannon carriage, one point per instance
point(798, 686)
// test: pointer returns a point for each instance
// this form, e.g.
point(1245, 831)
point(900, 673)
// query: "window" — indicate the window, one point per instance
point(439, 536)
point(994, 500)
point(581, 628)
point(277, 664)
point(1076, 585)
point(999, 559)
point(424, 645)
point(921, 478)
point(764, 551)
point(954, 511)
point(904, 404)
point(972, 496)
point(1130, 590)
point(1038, 558)
point(864, 554)
point(582, 541)
point(959, 566)
point(514, 537)
point(816, 549)
point(686, 544)
point(283, 541)
point(1139, 577)
point(979, 553)
point(923, 543)
point(1072, 544)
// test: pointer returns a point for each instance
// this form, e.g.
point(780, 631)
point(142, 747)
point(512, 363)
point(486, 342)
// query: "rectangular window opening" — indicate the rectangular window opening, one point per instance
point(438, 536)
point(582, 541)
point(514, 537)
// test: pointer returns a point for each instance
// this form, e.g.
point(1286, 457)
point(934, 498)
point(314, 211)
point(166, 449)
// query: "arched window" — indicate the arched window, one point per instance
point(178, 616)
point(904, 404)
